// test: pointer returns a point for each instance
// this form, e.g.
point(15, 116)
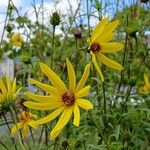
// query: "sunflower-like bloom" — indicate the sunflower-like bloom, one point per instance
point(146, 88)
point(8, 92)
point(16, 40)
point(63, 100)
point(27, 120)
point(100, 44)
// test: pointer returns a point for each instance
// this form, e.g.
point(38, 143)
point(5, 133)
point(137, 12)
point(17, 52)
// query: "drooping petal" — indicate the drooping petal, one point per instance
point(2, 87)
point(85, 75)
point(146, 80)
point(83, 92)
point(45, 87)
point(25, 130)
point(42, 106)
point(55, 134)
point(99, 28)
point(51, 116)
point(84, 103)
point(71, 75)
point(55, 80)
point(76, 112)
point(110, 63)
point(42, 98)
point(64, 119)
point(97, 66)
point(15, 128)
point(111, 47)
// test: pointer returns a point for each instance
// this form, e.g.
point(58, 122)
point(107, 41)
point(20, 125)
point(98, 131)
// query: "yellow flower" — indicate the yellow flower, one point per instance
point(8, 92)
point(100, 44)
point(146, 88)
point(61, 99)
point(27, 120)
point(16, 40)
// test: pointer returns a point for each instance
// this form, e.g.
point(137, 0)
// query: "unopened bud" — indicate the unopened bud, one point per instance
point(55, 19)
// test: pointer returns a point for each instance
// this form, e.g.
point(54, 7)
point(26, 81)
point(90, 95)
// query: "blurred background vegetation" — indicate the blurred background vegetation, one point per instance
point(126, 123)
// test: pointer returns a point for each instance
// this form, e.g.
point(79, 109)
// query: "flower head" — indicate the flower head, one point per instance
point(100, 44)
point(63, 100)
point(16, 40)
point(8, 93)
point(146, 88)
point(27, 120)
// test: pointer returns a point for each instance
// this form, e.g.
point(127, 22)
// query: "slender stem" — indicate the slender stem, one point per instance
point(3, 145)
point(5, 23)
point(32, 135)
point(105, 104)
point(124, 55)
point(46, 135)
point(88, 17)
point(14, 118)
point(53, 39)
point(126, 100)
point(41, 135)
point(76, 58)
point(12, 139)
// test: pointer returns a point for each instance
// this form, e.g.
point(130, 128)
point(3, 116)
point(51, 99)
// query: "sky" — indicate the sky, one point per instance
point(25, 6)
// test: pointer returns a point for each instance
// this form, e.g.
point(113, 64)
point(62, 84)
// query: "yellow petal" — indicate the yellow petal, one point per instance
point(146, 80)
point(51, 116)
point(83, 92)
point(14, 87)
point(99, 28)
point(42, 106)
point(33, 124)
point(55, 80)
point(97, 66)
point(85, 75)
point(110, 63)
point(64, 119)
point(9, 86)
point(45, 87)
point(84, 103)
point(54, 135)
point(111, 47)
point(25, 130)
point(1, 98)
point(15, 128)
point(143, 90)
point(42, 98)
point(110, 27)
point(71, 75)
point(3, 87)
point(76, 112)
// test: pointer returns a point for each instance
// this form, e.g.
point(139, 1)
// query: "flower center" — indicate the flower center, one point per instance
point(95, 47)
point(24, 116)
point(68, 98)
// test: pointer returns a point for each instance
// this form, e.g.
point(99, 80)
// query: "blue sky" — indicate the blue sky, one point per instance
point(25, 6)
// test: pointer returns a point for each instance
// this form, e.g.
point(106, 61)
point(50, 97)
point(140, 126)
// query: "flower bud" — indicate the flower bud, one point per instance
point(55, 19)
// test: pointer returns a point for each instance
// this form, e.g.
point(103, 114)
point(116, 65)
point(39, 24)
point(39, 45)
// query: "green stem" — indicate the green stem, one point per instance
point(41, 134)
point(14, 118)
point(76, 58)
point(3, 145)
point(32, 136)
point(8, 6)
point(105, 104)
point(12, 139)
point(53, 39)
point(88, 17)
